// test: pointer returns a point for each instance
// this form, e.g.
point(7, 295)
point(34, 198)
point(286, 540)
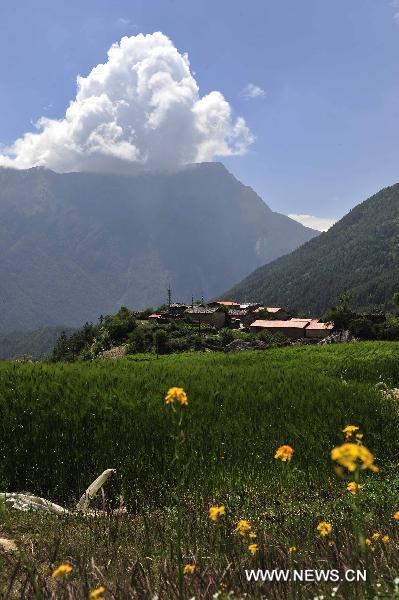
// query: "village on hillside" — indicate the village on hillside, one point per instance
point(219, 325)
point(250, 316)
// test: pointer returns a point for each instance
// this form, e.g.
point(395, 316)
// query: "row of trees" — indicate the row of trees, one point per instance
point(364, 326)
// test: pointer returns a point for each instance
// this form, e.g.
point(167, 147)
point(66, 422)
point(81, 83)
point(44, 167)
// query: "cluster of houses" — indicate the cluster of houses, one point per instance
point(249, 316)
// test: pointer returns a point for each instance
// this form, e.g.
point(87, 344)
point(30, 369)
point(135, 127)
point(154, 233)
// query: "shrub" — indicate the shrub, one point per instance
point(389, 330)
point(226, 336)
point(161, 341)
point(362, 328)
point(120, 325)
point(140, 340)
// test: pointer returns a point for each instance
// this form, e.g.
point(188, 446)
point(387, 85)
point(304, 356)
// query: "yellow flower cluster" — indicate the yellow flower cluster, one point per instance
point(189, 569)
point(324, 528)
point(244, 528)
point(97, 594)
point(215, 512)
point(291, 549)
point(253, 548)
point(354, 488)
point(353, 456)
point(63, 569)
point(178, 394)
point(284, 453)
point(385, 539)
point(349, 430)
point(396, 515)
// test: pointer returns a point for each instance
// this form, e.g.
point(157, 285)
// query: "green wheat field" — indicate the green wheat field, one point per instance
point(62, 425)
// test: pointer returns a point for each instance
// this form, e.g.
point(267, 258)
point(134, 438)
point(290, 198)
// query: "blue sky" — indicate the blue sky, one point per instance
point(327, 126)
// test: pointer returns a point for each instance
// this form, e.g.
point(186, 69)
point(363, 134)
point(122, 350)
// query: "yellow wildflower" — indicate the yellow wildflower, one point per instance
point(375, 536)
point(354, 487)
point(284, 453)
point(62, 570)
point(178, 394)
point(359, 436)
point(252, 535)
point(97, 593)
point(385, 539)
point(396, 515)
point(253, 548)
point(367, 541)
point(292, 549)
point(243, 527)
point(324, 528)
point(349, 430)
point(331, 543)
point(215, 512)
point(188, 569)
point(351, 456)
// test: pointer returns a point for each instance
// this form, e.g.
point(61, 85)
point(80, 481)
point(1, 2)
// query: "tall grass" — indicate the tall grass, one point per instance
point(63, 424)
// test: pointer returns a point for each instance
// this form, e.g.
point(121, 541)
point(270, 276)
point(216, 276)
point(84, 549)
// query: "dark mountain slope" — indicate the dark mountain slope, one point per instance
point(73, 246)
point(360, 254)
point(34, 345)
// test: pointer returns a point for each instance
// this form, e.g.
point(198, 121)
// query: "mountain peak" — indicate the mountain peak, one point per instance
point(77, 245)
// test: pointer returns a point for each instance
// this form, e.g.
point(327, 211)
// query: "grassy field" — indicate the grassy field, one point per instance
point(63, 424)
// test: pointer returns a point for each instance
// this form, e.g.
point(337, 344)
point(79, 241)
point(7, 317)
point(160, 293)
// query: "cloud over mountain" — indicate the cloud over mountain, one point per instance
point(140, 109)
point(318, 223)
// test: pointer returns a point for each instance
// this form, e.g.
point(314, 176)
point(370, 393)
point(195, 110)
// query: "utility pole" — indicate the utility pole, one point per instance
point(169, 296)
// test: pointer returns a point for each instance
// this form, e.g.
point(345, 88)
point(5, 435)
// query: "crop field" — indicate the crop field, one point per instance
point(62, 425)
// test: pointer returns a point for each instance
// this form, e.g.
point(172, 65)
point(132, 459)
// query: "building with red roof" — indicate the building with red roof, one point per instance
point(294, 328)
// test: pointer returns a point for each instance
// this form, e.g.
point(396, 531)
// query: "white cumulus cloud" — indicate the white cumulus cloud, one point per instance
point(140, 109)
point(253, 91)
point(319, 223)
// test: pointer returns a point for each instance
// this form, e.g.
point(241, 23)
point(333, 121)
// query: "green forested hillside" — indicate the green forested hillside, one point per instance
point(359, 254)
point(36, 344)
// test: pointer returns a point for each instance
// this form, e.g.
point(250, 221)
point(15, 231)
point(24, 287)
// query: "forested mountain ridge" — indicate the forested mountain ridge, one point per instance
point(35, 345)
point(359, 254)
point(77, 245)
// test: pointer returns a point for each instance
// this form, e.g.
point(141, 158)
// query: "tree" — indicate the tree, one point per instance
point(341, 314)
point(344, 302)
point(140, 341)
point(160, 341)
point(120, 325)
point(69, 348)
point(395, 299)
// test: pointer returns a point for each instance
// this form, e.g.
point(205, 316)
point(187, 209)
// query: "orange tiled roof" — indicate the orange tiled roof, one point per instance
point(315, 324)
point(280, 324)
point(227, 303)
